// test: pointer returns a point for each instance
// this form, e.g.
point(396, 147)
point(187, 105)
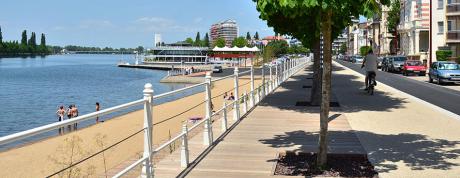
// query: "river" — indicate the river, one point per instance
point(31, 89)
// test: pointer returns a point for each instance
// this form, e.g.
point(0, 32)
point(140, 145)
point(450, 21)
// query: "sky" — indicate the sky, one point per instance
point(123, 23)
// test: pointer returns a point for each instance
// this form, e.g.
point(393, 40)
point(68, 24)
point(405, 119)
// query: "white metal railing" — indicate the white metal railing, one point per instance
point(248, 100)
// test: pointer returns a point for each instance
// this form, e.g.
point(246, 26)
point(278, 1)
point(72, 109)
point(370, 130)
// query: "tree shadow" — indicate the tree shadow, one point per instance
point(418, 152)
point(346, 90)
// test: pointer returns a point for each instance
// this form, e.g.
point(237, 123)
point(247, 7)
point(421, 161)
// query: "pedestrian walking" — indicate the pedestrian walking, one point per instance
point(231, 97)
point(98, 107)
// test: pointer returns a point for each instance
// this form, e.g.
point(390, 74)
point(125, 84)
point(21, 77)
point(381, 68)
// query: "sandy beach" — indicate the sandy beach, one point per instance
point(45, 157)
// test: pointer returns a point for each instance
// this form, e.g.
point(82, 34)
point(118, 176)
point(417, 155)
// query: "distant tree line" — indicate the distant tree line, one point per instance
point(27, 46)
point(75, 48)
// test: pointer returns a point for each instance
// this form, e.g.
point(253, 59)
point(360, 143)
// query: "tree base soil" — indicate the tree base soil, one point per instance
point(338, 165)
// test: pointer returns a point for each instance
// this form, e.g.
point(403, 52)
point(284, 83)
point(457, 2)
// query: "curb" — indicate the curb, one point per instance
point(432, 106)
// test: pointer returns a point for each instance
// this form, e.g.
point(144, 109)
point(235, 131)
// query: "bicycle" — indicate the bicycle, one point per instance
point(372, 83)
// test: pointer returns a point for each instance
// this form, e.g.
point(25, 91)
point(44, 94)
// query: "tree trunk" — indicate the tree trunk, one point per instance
point(315, 93)
point(326, 88)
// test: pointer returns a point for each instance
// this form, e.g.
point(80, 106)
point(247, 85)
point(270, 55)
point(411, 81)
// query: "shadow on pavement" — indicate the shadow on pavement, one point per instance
point(348, 87)
point(418, 151)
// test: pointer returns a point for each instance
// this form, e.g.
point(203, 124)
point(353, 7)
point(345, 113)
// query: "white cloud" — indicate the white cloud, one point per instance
point(198, 20)
point(160, 25)
point(96, 24)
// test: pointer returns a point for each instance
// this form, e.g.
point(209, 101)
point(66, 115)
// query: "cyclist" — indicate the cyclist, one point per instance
point(370, 64)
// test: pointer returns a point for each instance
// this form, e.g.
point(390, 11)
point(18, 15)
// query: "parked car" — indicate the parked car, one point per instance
point(347, 58)
point(357, 59)
point(413, 67)
point(396, 63)
point(217, 69)
point(386, 63)
point(444, 72)
point(379, 62)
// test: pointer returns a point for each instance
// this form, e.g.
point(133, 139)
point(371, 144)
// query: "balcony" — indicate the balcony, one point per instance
point(453, 36)
point(453, 9)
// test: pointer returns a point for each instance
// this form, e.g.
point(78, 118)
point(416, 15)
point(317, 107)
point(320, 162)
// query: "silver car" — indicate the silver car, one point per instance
point(444, 72)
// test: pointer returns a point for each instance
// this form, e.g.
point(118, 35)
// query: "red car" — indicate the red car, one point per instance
point(413, 67)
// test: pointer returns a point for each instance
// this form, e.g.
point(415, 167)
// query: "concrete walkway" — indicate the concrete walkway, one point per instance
point(402, 136)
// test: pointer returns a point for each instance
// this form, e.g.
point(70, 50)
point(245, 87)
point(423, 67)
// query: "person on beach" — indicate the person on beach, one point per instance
point(231, 97)
point(98, 107)
point(60, 113)
point(69, 116)
point(74, 114)
point(225, 95)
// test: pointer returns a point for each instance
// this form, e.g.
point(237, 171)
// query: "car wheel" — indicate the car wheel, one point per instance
point(430, 79)
point(438, 81)
point(404, 73)
point(422, 74)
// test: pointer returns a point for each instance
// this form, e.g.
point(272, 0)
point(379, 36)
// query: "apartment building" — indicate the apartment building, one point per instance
point(227, 29)
point(413, 28)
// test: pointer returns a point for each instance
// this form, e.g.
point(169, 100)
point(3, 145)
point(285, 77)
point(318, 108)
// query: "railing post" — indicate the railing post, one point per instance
point(207, 132)
point(263, 80)
point(236, 114)
point(184, 153)
point(147, 167)
point(224, 117)
point(271, 78)
point(253, 102)
point(276, 75)
point(245, 102)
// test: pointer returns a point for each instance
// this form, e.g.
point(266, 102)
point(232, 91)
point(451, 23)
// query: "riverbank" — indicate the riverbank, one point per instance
point(48, 156)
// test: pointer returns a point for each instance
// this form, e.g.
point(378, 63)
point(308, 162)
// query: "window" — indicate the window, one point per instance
point(440, 4)
point(449, 25)
point(440, 27)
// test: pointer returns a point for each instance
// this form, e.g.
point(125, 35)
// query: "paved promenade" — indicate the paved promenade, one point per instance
point(402, 136)
point(276, 125)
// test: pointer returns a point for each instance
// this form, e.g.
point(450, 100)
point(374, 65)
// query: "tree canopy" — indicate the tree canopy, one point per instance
point(219, 42)
point(393, 16)
point(206, 40)
point(198, 39)
point(239, 42)
point(189, 40)
point(248, 36)
point(256, 36)
point(279, 47)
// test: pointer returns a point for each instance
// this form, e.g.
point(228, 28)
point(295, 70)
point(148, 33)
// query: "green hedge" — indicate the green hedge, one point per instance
point(443, 55)
point(364, 50)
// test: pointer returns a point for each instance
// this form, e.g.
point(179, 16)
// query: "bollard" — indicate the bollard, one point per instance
point(224, 117)
point(236, 114)
point(253, 102)
point(184, 153)
point(147, 167)
point(207, 132)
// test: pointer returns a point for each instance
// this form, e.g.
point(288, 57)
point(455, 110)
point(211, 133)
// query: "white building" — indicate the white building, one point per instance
point(413, 28)
point(157, 40)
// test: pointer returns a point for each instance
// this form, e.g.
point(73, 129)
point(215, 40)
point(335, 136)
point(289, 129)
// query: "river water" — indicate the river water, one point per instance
point(31, 89)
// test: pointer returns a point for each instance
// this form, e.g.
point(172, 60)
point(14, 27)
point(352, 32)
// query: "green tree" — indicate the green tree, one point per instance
point(239, 42)
point(206, 40)
point(306, 20)
point(219, 42)
point(279, 47)
point(32, 44)
point(364, 50)
point(24, 38)
point(198, 39)
point(256, 36)
point(268, 54)
point(1, 36)
point(393, 20)
point(248, 36)
point(43, 49)
point(140, 49)
point(189, 40)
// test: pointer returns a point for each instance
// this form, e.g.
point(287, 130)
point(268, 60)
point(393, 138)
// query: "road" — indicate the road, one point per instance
point(440, 96)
